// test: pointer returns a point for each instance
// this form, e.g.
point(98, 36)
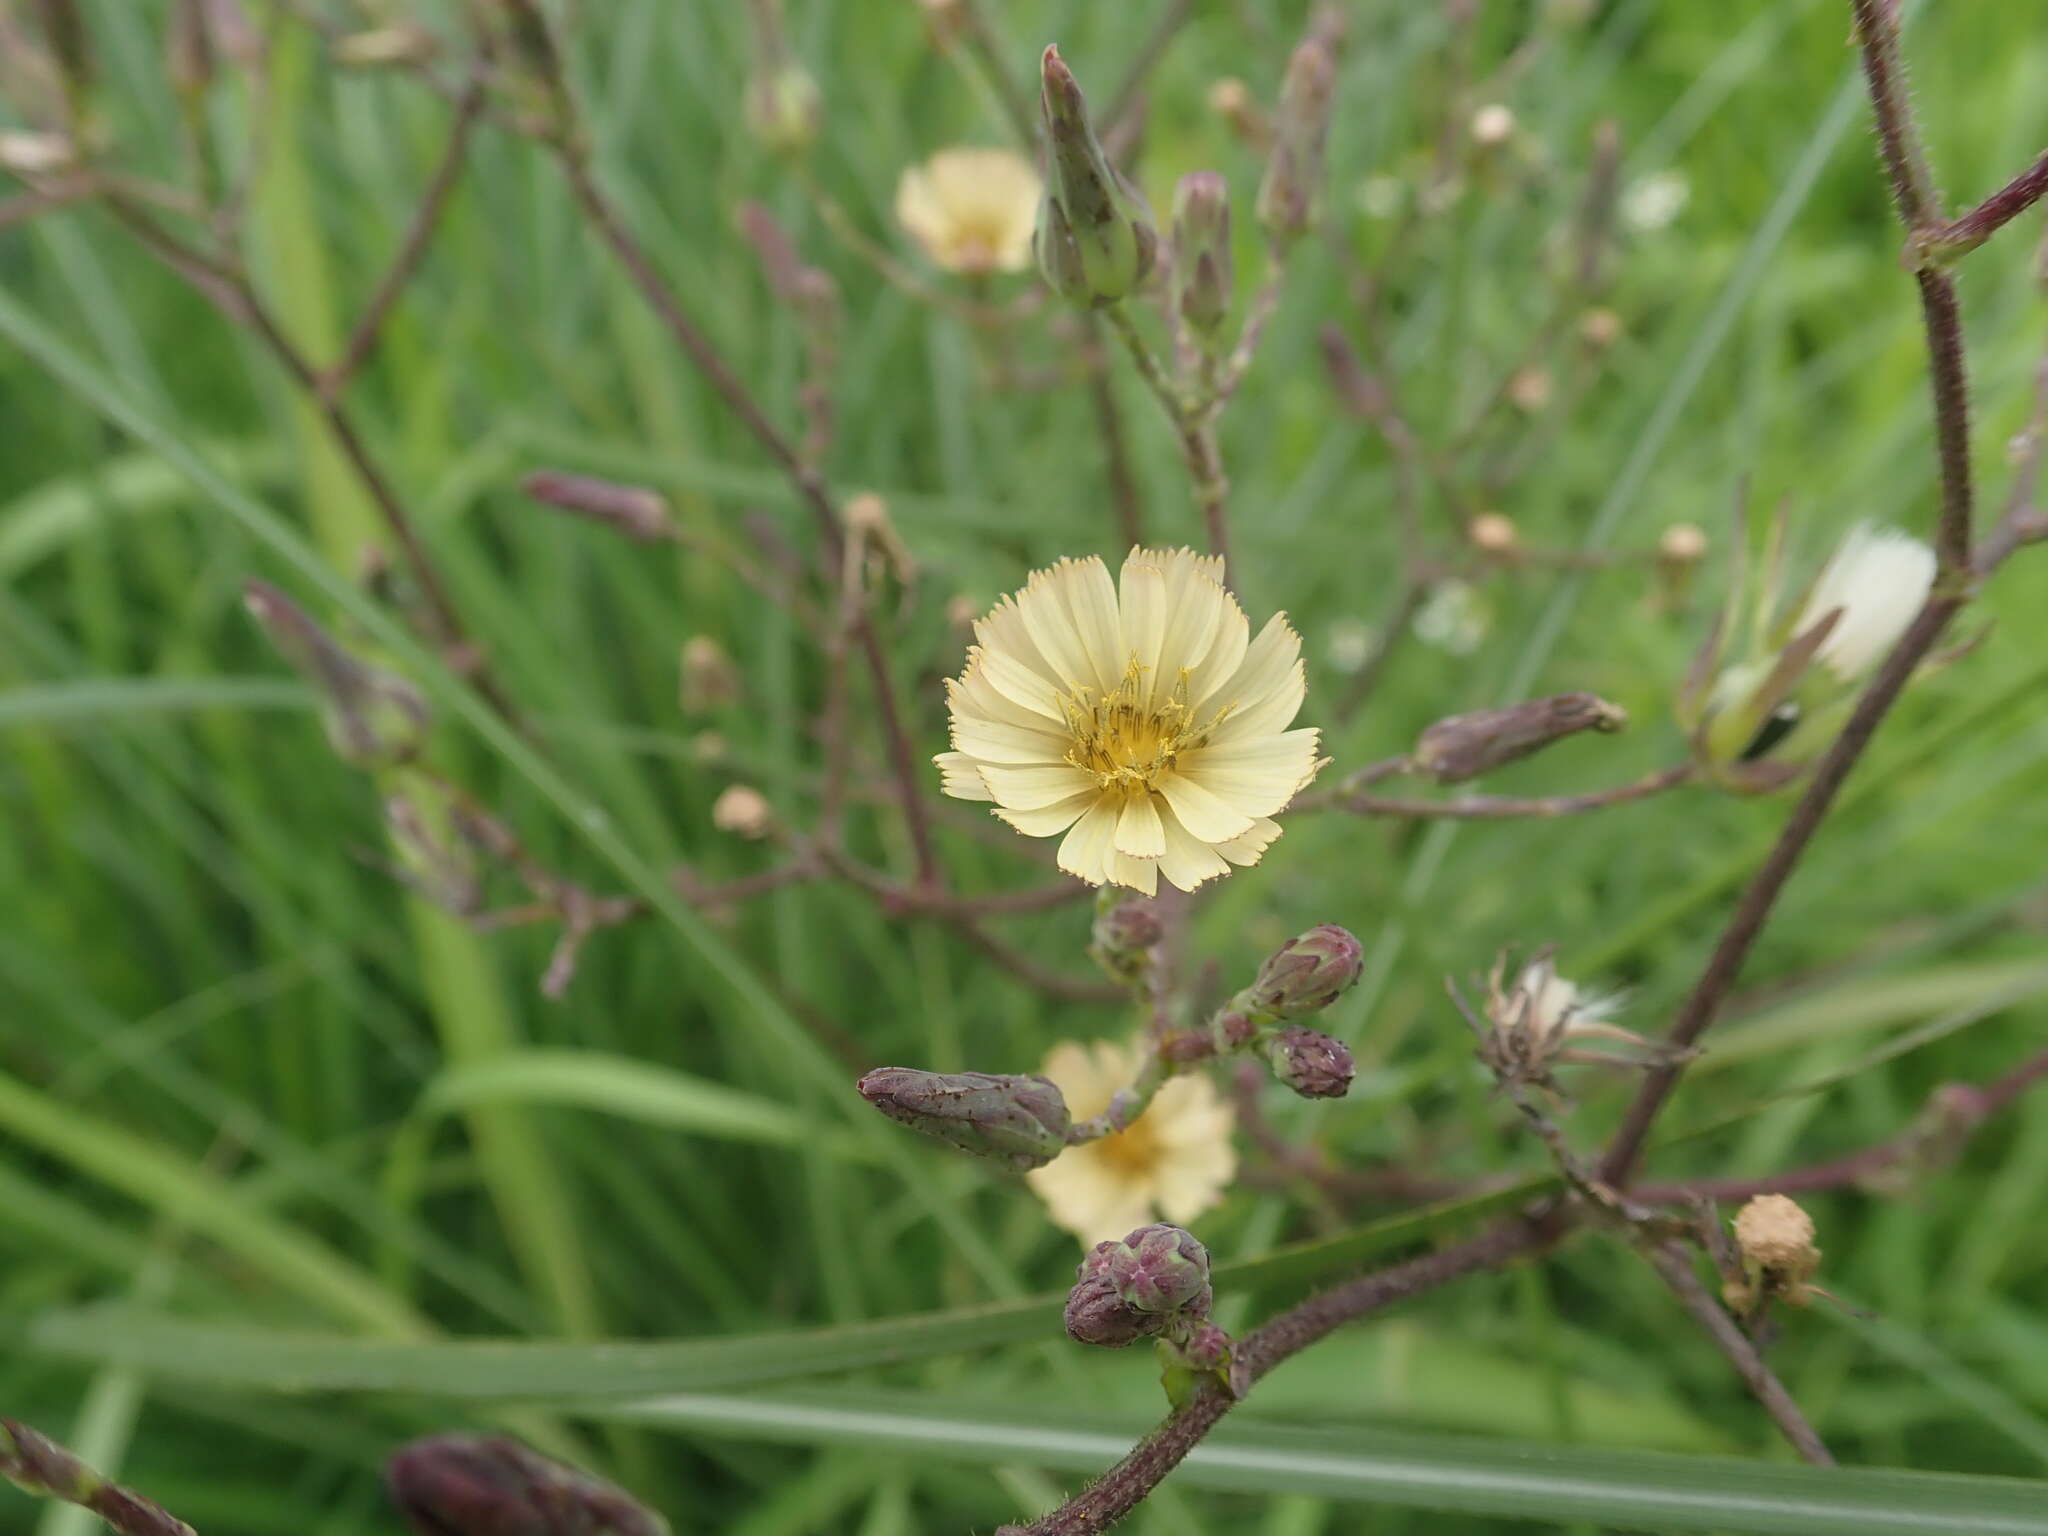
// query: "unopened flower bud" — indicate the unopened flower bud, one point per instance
point(431, 843)
point(1301, 130)
point(1207, 1348)
point(1463, 747)
point(783, 109)
point(487, 1485)
point(1095, 240)
point(1015, 1119)
point(1310, 1062)
point(400, 44)
point(1600, 329)
point(1124, 933)
point(743, 810)
point(374, 718)
point(1160, 1269)
point(635, 511)
point(1305, 975)
point(1494, 533)
point(1231, 99)
point(1775, 1239)
point(709, 680)
point(709, 748)
point(1529, 389)
point(1202, 275)
point(1492, 126)
point(962, 611)
point(1096, 1314)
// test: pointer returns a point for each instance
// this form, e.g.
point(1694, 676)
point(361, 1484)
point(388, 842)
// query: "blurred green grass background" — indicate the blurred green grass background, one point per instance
point(234, 1055)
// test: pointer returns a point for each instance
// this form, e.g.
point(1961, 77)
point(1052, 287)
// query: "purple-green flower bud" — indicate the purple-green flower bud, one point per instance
point(1301, 130)
point(1124, 933)
point(1462, 747)
point(1097, 1315)
point(1306, 974)
point(374, 719)
point(1160, 1269)
point(1310, 1062)
point(485, 1485)
point(1095, 239)
point(1202, 275)
point(1018, 1120)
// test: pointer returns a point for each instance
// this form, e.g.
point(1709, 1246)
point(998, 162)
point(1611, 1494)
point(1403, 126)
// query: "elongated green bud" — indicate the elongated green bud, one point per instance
point(1201, 274)
point(487, 1485)
point(1095, 239)
point(1018, 1120)
point(374, 718)
point(1301, 131)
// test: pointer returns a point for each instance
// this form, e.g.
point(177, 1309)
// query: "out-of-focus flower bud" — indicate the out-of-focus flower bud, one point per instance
point(709, 680)
point(1305, 975)
point(744, 811)
point(1463, 747)
point(1018, 1120)
point(1124, 933)
point(374, 718)
point(709, 748)
point(1756, 722)
point(1679, 552)
point(1096, 1314)
point(434, 846)
point(27, 153)
point(1494, 534)
point(1529, 389)
point(1096, 242)
point(1492, 126)
point(1202, 274)
point(396, 46)
point(1600, 329)
point(1159, 1269)
point(1301, 131)
point(783, 109)
point(1310, 1062)
point(1231, 99)
point(487, 1485)
point(640, 514)
point(1775, 1239)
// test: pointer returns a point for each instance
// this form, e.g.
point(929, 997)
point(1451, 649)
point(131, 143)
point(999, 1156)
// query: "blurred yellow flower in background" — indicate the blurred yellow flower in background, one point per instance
point(1174, 1161)
point(972, 210)
point(1141, 719)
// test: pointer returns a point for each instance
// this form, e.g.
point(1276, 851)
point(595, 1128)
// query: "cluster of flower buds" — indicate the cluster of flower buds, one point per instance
point(1300, 978)
point(1014, 1119)
point(1201, 276)
point(1152, 1282)
point(375, 719)
point(1755, 721)
point(1095, 241)
point(1774, 1241)
point(1463, 747)
point(1301, 131)
point(484, 1485)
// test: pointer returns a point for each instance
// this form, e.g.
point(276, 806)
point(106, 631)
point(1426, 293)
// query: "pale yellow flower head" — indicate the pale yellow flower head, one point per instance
point(972, 210)
point(1140, 718)
point(1173, 1162)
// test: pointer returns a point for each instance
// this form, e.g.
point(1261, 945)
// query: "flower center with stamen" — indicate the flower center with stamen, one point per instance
point(1126, 743)
point(1133, 1152)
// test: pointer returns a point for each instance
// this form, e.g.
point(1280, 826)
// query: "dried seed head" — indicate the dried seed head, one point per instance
point(1529, 389)
point(1018, 1120)
point(1682, 544)
point(1775, 1238)
point(1600, 329)
point(743, 810)
point(1494, 533)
